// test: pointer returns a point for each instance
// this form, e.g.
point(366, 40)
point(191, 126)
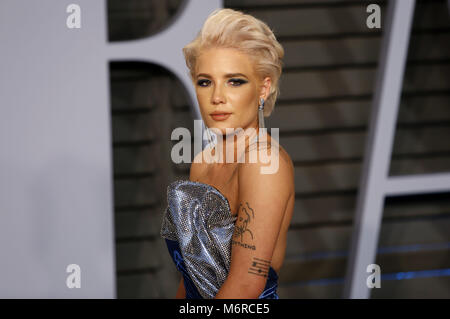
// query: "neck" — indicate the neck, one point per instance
point(231, 147)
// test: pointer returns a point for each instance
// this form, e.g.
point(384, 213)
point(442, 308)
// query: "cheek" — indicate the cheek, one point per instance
point(244, 101)
point(202, 99)
point(200, 94)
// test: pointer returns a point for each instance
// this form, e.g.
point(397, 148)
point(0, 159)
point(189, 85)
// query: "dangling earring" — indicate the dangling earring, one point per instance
point(261, 113)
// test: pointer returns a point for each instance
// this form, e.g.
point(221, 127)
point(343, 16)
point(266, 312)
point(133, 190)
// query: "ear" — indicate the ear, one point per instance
point(265, 88)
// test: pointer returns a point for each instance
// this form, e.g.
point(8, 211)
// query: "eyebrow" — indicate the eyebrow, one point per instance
point(228, 75)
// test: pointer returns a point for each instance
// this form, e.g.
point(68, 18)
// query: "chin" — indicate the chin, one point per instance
point(218, 129)
point(222, 128)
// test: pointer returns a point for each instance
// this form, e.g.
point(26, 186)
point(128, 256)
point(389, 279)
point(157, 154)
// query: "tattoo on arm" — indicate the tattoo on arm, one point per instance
point(242, 227)
point(259, 267)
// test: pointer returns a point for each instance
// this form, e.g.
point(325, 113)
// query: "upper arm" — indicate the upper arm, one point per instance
point(262, 203)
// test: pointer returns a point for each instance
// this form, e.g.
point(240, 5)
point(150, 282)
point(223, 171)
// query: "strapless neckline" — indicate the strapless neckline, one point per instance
point(221, 195)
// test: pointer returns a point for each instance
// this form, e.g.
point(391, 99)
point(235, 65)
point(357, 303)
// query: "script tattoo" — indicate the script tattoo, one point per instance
point(259, 267)
point(242, 226)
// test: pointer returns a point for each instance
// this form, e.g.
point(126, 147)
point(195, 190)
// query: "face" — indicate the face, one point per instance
point(226, 82)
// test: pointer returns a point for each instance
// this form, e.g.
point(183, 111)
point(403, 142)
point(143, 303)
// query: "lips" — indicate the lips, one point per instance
point(217, 116)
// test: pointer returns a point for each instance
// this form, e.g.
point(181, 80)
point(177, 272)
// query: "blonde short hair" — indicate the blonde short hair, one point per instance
point(227, 28)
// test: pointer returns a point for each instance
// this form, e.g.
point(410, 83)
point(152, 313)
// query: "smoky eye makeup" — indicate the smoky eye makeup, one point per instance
point(203, 82)
point(232, 81)
point(238, 82)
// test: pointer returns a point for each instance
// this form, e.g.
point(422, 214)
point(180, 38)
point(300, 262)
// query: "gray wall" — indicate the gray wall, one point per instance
point(56, 159)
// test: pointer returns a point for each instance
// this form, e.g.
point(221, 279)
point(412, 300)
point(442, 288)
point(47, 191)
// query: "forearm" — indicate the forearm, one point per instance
point(235, 289)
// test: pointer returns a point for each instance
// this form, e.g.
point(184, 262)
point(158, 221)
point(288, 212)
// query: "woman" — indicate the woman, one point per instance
point(226, 227)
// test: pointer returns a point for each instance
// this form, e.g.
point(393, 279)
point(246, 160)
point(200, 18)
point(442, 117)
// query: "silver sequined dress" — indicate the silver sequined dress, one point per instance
point(198, 226)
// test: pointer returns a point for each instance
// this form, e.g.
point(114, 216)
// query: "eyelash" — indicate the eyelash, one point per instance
point(238, 81)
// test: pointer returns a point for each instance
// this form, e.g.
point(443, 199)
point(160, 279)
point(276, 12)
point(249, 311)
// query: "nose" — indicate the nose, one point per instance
point(218, 95)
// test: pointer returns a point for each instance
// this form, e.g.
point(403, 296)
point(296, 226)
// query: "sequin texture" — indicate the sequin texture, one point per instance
point(199, 218)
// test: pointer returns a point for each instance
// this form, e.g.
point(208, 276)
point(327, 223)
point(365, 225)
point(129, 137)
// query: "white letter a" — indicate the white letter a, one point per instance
point(374, 20)
point(74, 19)
point(74, 279)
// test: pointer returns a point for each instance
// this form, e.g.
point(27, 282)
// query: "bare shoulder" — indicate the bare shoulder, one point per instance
point(273, 166)
point(287, 161)
point(270, 152)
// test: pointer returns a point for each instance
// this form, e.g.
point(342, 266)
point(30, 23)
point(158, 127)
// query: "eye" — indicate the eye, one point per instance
point(203, 82)
point(237, 82)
